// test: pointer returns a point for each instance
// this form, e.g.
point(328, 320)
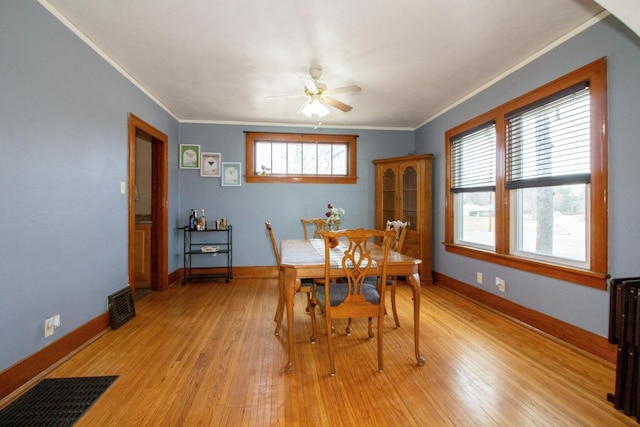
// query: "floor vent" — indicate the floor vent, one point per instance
point(55, 402)
point(121, 308)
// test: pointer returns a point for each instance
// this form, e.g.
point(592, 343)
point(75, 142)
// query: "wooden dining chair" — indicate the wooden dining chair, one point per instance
point(352, 297)
point(305, 285)
point(318, 225)
point(396, 245)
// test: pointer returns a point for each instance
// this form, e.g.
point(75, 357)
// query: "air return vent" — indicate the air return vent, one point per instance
point(121, 307)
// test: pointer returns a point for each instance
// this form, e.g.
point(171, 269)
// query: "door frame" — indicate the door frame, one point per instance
point(159, 203)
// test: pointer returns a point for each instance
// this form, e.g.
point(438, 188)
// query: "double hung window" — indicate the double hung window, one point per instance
point(527, 181)
point(548, 173)
point(473, 166)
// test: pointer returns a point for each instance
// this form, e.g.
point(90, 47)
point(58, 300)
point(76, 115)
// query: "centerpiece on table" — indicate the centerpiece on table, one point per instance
point(334, 216)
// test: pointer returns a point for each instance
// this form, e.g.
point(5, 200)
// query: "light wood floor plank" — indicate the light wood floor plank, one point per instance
point(205, 354)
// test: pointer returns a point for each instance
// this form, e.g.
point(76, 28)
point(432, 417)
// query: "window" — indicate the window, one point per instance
point(473, 167)
point(526, 182)
point(548, 169)
point(302, 158)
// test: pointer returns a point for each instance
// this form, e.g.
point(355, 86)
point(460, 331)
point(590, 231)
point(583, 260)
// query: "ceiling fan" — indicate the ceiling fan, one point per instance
point(318, 95)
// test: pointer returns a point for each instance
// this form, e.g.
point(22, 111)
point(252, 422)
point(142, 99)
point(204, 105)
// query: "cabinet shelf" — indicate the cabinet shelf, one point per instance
point(194, 240)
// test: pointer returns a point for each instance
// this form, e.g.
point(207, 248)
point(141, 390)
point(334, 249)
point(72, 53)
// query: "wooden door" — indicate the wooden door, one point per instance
point(142, 243)
point(159, 244)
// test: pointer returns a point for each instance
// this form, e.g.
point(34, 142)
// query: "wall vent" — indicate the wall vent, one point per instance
point(121, 308)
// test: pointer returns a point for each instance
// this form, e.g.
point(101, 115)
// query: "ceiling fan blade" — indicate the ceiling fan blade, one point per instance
point(343, 89)
point(271, 98)
point(337, 104)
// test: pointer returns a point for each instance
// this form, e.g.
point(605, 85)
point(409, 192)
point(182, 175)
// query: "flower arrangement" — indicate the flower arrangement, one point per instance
point(333, 217)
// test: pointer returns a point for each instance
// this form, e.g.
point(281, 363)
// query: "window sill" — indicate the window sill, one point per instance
point(301, 179)
point(582, 277)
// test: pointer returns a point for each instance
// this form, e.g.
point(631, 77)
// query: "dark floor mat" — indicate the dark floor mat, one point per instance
point(55, 402)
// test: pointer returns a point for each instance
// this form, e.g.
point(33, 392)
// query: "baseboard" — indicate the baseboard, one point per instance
point(16, 376)
point(580, 338)
point(175, 276)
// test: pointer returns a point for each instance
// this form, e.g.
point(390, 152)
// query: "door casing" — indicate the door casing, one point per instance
point(159, 203)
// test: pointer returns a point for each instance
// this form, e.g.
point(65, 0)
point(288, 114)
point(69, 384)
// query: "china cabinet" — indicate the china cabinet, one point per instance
point(403, 192)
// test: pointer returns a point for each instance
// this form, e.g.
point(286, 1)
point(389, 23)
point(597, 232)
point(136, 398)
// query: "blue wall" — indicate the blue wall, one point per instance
point(249, 206)
point(63, 141)
point(578, 305)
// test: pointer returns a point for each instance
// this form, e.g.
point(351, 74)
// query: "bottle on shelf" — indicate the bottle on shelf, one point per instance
point(203, 221)
point(196, 221)
point(192, 220)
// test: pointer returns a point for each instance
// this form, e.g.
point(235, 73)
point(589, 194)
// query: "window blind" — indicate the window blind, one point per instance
point(549, 142)
point(473, 157)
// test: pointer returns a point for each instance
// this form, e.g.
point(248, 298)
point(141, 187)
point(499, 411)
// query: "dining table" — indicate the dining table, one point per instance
point(305, 259)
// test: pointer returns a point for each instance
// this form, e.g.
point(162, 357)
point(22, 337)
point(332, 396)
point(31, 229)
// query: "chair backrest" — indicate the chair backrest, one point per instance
point(401, 230)
point(276, 252)
point(319, 224)
point(356, 262)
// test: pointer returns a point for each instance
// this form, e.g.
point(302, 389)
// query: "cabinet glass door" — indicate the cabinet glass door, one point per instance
point(389, 190)
point(410, 197)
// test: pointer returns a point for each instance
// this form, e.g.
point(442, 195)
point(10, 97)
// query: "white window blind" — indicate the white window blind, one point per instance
point(549, 142)
point(473, 157)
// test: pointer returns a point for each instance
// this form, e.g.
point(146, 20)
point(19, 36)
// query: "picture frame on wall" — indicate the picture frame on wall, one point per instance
point(210, 165)
point(232, 174)
point(189, 156)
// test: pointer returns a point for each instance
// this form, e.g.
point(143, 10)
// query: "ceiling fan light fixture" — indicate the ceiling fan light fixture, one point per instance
point(315, 108)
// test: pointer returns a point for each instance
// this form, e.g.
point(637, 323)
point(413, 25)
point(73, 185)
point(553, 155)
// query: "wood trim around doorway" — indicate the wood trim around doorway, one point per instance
point(159, 205)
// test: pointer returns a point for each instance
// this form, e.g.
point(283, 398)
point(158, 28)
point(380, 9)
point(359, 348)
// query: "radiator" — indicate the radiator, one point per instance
point(624, 331)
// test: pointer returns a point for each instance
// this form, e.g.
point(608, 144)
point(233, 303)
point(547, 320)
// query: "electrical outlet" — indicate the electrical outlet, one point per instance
point(48, 327)
point(502, 285)
point(479, 277)
point(51, 324)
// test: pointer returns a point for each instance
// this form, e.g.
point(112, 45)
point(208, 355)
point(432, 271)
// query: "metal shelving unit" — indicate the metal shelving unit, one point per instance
point(194, 241)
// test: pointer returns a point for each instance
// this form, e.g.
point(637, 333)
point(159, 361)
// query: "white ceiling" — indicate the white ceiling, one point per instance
point(217, 61)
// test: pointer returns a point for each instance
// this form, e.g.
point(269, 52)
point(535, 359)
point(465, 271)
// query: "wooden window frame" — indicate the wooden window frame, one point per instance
point(596, 275)
point(252, 177)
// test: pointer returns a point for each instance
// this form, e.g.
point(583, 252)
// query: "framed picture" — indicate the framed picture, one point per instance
point(210, 165)
point(232, 174)
point(189, 156)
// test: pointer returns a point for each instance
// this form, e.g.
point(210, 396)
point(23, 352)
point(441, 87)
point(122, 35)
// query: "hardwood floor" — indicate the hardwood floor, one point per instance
point(205, 354)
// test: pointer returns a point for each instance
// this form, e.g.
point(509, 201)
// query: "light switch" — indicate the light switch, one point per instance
point(123, 187)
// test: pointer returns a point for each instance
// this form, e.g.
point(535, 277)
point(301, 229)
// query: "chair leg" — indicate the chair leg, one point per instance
point(371, 329)
point(348, 328)
point(279, 311)
point(380, 347)
point(332, 361)
point(393, 302)
point(278, 314)
point(312, 312)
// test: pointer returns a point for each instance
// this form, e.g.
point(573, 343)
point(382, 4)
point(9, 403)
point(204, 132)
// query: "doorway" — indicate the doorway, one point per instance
point(158, 217)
